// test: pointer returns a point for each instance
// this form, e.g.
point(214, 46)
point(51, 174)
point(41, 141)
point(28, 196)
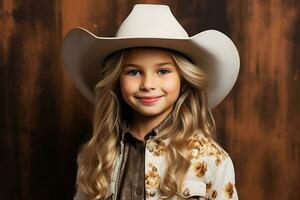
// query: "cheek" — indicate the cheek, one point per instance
point(172, 86)
point(127, 85)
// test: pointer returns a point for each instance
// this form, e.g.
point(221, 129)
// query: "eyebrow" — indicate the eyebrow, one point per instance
point(158, 64)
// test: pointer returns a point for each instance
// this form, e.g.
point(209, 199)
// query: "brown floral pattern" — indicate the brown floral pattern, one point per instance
point(201, 146)
point(208, 186)
point(199, 168)
point(156, 147)
point(209, 164)
point(152, 178)
point(218, 161)
point(214, 194)
point(229, 190)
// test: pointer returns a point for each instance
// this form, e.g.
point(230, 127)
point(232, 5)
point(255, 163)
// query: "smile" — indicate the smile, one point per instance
point(148, 100)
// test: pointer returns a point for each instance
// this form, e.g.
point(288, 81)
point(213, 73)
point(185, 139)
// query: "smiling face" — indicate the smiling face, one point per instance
point(150, 81)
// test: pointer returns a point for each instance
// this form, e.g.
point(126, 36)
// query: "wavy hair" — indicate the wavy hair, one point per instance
point(190, 115)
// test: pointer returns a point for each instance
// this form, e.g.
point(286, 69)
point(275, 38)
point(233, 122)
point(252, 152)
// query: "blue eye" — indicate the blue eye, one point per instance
point(164, 71)
point(133, 72)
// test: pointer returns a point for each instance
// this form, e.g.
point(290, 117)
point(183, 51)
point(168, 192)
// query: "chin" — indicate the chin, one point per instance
point(150, 113)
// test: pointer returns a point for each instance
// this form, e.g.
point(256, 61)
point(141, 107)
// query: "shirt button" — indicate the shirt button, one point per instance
point(186, 192)
point(151, 149)
point(152, 193)
point(139, 191)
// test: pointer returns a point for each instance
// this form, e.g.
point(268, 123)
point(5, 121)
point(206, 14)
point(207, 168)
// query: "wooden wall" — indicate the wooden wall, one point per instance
point(44, 119)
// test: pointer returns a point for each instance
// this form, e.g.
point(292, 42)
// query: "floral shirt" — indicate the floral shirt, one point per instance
point(210, 176)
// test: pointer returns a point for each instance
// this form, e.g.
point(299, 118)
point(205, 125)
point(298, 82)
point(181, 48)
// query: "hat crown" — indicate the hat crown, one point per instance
point(150, 20)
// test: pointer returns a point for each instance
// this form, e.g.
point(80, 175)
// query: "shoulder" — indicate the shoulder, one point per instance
point(201, 146)
point(207, 157)
point(212, 165)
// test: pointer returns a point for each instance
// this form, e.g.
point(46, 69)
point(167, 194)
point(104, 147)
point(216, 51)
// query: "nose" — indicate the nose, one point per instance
point(148, 83)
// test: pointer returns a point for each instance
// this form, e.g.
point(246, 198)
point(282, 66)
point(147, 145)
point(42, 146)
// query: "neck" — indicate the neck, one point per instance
point(141, 124)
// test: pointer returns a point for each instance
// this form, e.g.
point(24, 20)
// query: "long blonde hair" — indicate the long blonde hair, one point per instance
point(190, 114)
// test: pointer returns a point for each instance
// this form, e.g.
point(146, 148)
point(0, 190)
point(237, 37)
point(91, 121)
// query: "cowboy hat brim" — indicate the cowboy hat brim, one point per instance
point(83, 54)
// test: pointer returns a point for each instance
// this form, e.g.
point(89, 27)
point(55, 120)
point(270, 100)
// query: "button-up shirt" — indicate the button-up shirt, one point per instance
point(133, 180)
point(209, 176)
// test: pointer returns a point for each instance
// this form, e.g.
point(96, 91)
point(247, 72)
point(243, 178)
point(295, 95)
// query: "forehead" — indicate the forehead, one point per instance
point(148, 54)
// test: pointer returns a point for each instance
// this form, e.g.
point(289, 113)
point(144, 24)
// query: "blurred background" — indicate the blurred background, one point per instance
point(44, 118)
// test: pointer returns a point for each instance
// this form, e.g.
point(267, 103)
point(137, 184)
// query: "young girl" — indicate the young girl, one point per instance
point(153, 89)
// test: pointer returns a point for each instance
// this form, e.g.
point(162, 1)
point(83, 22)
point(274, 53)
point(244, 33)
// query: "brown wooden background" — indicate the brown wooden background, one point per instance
point(44, 118)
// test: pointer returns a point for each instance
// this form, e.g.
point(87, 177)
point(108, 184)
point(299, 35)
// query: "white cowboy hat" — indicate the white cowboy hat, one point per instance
point(152, 26)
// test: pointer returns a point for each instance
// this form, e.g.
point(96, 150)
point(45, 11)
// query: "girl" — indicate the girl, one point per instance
point(154, 88)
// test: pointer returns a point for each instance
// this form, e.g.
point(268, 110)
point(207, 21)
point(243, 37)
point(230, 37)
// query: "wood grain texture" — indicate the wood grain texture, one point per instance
point(263, 116)
point(44, 118)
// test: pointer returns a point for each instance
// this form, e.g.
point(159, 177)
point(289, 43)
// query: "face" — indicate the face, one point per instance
point(150, 81)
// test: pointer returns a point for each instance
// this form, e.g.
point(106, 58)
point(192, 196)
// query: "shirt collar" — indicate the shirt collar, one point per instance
point(125, 127)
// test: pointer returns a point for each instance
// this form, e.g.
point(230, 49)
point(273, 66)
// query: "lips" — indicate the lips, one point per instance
point(149, 99)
